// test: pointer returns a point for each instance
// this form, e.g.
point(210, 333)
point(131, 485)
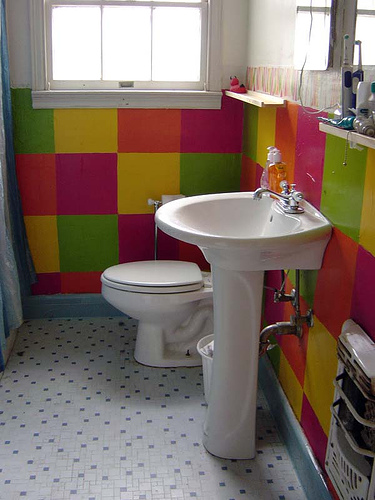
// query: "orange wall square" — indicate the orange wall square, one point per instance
point(149, 130)
point(248, 174)
point(286, 135)
point(295, 349)
point(81, 282)
point(334, 288)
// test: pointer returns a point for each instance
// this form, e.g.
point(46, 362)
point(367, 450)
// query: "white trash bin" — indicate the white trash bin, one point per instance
point(207, 359)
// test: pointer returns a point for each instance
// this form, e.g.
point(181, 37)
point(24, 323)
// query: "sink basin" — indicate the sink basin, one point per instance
point(241, 238)
point(238, 232)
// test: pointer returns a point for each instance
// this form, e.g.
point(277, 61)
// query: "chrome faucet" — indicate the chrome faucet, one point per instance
point(288, 199)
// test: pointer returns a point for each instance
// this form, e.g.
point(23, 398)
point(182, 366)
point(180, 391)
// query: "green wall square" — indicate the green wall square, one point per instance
point(202, 173)
point(33, 128)
point(250, 132)
point(87, 242)
point(343, 185)
point(308, 281)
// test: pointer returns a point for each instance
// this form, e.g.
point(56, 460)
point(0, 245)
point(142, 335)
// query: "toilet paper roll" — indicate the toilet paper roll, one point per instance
point(166, 198)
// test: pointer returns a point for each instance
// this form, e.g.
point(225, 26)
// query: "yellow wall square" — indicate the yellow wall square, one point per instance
point(321, 369)
point(85, 130)
point(367, 229)
point(266, 133)
point(42, 236)
point(291, 386)
point(146, 175)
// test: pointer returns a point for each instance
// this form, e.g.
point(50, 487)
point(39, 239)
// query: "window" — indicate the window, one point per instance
point(329, 20)
point(91, 48)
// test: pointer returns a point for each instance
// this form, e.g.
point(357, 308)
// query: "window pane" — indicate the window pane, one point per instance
point(76, 42)
point(176, 1)
point(176, 44)
point(317, 48)
point(364, 32)
point(127, 43)
point(366, 4)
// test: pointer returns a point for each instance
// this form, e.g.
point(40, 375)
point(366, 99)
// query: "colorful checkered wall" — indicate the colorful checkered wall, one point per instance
point(345, 286)
point(85, 176)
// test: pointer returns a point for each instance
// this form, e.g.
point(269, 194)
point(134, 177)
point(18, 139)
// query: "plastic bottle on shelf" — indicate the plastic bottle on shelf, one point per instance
point(264, 180)
point(276, 172)
point(371, 99)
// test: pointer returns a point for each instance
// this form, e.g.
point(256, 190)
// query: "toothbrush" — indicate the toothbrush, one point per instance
point(358, 75)
point(346, 81)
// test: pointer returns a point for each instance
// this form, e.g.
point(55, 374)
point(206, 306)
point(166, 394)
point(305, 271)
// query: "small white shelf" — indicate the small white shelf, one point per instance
point(349, 135)
point(257, 98)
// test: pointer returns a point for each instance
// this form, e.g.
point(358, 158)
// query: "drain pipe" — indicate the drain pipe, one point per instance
point(292, 327)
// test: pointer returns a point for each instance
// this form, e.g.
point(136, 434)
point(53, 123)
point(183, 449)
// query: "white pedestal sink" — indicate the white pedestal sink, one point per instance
point(241, 238)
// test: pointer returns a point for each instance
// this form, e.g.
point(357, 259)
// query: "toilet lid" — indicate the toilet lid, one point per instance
point(154, 276)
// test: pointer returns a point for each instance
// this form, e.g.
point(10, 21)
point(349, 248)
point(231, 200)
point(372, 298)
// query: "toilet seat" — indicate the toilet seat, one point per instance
point(154, 276)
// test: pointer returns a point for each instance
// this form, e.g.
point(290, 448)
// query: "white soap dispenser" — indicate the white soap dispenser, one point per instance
point(264, 180)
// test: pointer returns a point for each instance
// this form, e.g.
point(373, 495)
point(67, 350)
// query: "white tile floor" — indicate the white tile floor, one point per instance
point(80, 419)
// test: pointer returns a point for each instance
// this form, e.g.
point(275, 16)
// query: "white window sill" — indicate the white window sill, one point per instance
point(177, 99)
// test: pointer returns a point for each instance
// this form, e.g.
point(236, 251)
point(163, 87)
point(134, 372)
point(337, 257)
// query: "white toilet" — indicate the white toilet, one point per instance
point(172, 301)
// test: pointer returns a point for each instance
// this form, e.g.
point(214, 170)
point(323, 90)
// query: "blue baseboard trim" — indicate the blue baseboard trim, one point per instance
point(87, 305)
point(304, 461)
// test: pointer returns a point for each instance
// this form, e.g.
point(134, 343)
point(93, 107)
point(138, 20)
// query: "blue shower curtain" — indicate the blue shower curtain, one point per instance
point(16, 268)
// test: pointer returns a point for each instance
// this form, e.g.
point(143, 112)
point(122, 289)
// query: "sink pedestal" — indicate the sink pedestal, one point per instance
point(241, 238)
point(229, 429)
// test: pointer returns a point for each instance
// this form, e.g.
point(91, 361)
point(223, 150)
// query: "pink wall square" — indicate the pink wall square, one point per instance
point(191, 253)
point(136, 237)
point(47, 284)
point(363, 301)
point(213, 131)
point(309, 158)
point(313, 430)
point(285, 135)
point(168, 247)
point(86, 183)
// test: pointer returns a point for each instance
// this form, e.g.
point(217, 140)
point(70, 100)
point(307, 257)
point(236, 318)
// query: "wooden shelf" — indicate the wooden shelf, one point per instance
point(257, 99)
point(350, 135)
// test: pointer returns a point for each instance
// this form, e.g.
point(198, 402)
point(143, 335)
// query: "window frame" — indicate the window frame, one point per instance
point(45, 98)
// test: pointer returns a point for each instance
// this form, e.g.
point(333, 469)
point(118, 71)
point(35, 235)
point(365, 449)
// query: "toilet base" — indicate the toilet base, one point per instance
point(173, 360)
point(156, 353)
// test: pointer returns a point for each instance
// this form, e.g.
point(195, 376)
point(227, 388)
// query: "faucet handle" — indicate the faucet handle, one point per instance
point(285, 187)
point(297, 196)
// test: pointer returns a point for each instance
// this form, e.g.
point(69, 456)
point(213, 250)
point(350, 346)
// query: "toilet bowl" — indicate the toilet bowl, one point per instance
point(172, 301)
